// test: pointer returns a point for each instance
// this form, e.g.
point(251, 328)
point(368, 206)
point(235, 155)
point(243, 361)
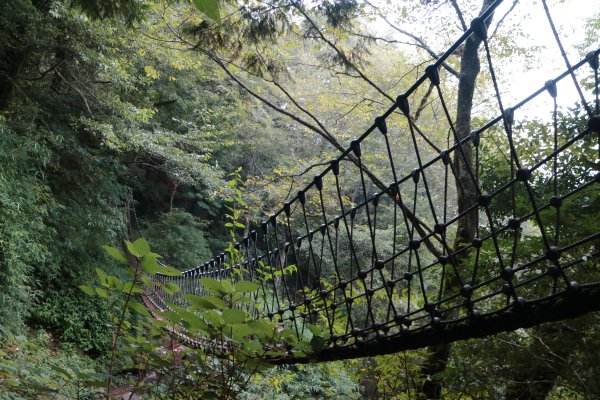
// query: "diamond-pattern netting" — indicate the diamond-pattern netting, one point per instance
point(413, 237)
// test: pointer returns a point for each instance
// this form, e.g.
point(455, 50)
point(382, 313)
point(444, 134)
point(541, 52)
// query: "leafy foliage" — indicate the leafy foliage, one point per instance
point(209, 7)
point(179, 237)
point(103, 98)
point(25, 201)
point(75, 319)
point(36, 368)
point(317, 381)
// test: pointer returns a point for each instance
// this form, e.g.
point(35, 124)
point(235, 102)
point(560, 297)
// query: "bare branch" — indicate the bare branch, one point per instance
point(341, 54)
point(44, 73)
point(363, 100)
point(512, 7)
point(459, 14)
point(419, 42)
point(393, 41)
point(323, 130)
point(423, 102)
point(270, 104)
point(301, 108)
point(289, 176)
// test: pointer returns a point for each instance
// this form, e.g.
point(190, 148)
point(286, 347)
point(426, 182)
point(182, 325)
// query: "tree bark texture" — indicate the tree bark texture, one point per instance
point(438, 356)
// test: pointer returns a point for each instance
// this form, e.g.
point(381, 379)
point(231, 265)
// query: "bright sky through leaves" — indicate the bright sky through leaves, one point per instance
point(518, 80)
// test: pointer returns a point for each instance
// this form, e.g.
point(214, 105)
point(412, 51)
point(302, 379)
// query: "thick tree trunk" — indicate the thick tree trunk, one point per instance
point(467, 195)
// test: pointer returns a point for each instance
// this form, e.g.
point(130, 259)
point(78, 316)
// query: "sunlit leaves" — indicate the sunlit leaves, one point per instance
point(205, 302)
point(246, 287)
point(139, 308)
point(214, 286)
point(150, 265)
point(209, 7)
point(115, 253)
point(233, 316)
point(88, 290)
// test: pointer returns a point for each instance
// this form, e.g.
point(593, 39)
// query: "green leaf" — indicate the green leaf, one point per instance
point(243, 300)
point(115, 253)
point(232, 316)
point(171, 288)
point(261, 328)
point(213, 318)
point(139, 308)
point(169, 271)
point(132, 249)
point(146, 281)
point(315, 330)
point(209, 7)
point(132, 287)
point(142, 246)
point(114, 282)
point(102, 277)
point(205, 302)
point(192, 320)
point(88, 290)
point(240, 331)
point(172, 316)
point(102, 293)
point(317, 343)
point(246, 287)
point(213, 286)
point(150, 265)
point(227, 286)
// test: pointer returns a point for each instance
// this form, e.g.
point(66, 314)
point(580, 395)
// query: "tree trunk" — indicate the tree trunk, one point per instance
point(467, 195)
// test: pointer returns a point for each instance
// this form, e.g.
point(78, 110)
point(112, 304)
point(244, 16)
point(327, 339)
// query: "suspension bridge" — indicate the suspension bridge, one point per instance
point(508, 238)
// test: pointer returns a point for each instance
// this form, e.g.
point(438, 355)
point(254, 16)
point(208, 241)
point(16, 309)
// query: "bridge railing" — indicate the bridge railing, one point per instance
point(374, 248)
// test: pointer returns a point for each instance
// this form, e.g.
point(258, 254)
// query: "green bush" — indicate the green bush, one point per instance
point(75, 318)
point(177, 235)
point(35, 368)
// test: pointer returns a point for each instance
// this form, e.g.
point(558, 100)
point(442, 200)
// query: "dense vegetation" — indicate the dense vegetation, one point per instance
point(125, 118)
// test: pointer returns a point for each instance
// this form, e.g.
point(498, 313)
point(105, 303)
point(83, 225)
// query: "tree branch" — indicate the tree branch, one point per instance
point(459, 13)
point(341, 54)
point(501, 20)
point(270, 104)
point(44, 73)
point(423, 102)
point(419, 42)
point(363, 100)
point(419, 225)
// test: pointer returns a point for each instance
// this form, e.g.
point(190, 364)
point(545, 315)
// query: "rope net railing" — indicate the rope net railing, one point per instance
point(475, 232)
